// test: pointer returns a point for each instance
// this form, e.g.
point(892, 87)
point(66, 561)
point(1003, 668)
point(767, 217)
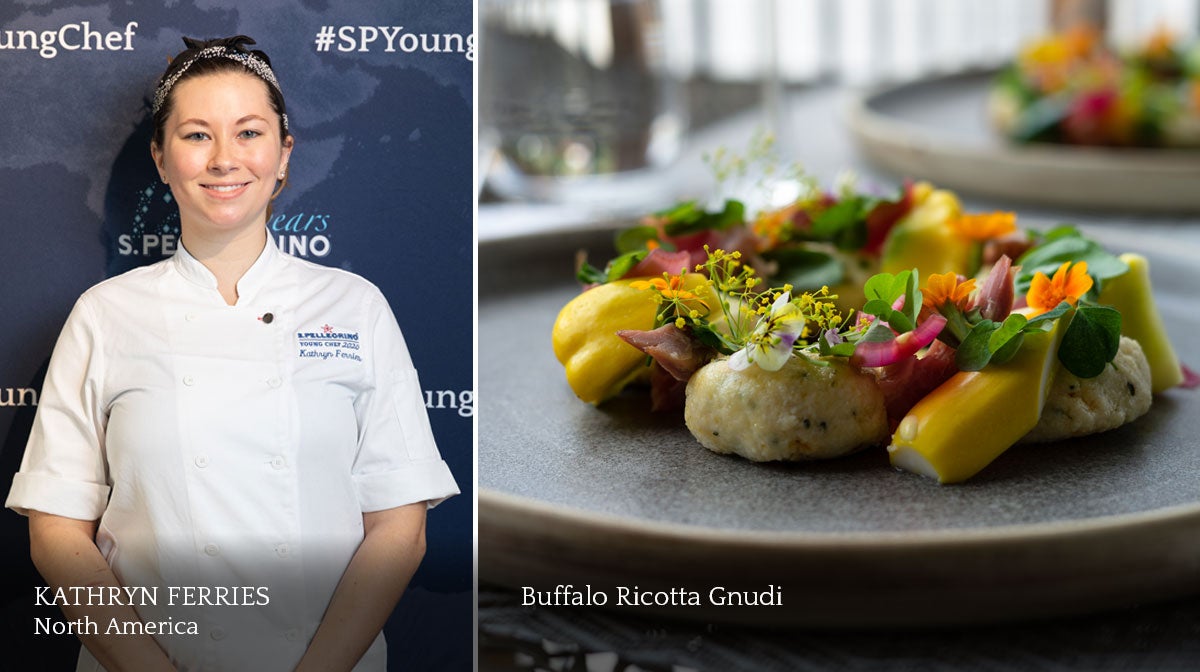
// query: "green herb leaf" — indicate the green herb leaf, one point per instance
point(900, 322)
point(882, 290)
point(991, 343)
point(886, 287)
point(844, 223)
point(687, 218)
point(1067, 245)
point(973, 353)
point(878, 333)
point(619, 266)
point(1012, 325)
point(1047, 317)
point(806, 269)
point(878, 307)
point(841, 350)
point(681, 212)
point(836, 217)
point(1005, 341)
point(1061, 231)
point(1091, 341)
point(1040, 120)
point(635, 238)
point(590, 275)
point(1009, 349)
point(912, 297)
point(827, 349)
point(708, 336)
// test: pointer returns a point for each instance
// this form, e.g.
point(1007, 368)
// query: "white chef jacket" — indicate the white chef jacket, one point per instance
point(231, 445)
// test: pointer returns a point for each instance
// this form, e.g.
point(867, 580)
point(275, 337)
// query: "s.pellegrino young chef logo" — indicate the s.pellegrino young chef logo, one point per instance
point(328, 342)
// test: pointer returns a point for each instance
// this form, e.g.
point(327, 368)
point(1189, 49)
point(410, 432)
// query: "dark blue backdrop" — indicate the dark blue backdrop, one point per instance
point(379, 97)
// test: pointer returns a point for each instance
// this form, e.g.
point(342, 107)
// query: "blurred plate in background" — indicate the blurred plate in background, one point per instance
point(937, 130)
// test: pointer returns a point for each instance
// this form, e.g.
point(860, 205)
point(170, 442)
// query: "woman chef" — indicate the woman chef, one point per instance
point(232, 440)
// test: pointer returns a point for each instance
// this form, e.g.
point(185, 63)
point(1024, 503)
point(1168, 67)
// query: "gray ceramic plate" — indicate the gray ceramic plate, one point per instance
point(938, 129)
point(616, 496)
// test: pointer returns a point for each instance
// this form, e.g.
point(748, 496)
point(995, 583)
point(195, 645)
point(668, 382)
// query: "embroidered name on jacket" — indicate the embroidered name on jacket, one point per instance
point(328, 343)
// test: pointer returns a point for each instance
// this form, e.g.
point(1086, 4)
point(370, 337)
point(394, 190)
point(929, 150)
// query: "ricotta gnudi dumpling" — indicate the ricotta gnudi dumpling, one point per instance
point(807, 410)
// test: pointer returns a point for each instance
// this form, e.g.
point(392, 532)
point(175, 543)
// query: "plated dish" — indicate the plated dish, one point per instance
point(571, 493)
point(939, 129)
point(844, 320)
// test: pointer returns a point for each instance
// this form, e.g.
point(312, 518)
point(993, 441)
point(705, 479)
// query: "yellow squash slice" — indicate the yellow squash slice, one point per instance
point(1131, 294)
point(924, 240)
point(960, 427)
point(598, 363)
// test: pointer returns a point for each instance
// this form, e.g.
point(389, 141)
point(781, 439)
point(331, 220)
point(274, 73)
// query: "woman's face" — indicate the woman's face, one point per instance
point(222, 154)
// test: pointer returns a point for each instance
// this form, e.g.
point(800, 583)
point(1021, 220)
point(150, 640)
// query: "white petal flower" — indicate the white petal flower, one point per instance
point(770, 346)
point(740, 360)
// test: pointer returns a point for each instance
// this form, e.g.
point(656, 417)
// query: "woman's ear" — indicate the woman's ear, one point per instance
point(288, 143)
point(156, 153)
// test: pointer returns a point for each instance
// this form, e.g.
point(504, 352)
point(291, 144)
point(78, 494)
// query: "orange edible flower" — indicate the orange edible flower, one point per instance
point(1046, 293)
point(774, 226)
point(670, 287)
point(984, 226)
point(945, 288)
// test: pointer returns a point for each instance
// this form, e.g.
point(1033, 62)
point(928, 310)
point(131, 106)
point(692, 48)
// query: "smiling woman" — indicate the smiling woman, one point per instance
point(224, 160)
point(230, 418)
point(221, 141)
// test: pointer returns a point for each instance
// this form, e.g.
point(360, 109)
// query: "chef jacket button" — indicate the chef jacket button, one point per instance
point(202, 461)
point(217, 633)
point(278, 462)
point(274, 382)
point(292, 635)
point(282, 550)
point(212, 549)
point(189, 380)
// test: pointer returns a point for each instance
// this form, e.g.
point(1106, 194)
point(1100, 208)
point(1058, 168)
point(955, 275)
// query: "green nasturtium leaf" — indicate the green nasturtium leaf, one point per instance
point(1091, 341)
point(1067, 244)
point(878, 307)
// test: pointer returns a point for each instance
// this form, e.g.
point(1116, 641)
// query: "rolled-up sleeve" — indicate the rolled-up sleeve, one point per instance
point(64, 470)
point(397, 460)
